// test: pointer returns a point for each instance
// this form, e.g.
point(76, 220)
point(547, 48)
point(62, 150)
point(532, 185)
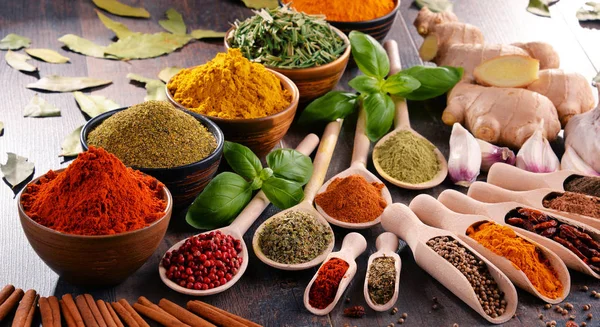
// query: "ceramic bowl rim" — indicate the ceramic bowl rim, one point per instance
point(364, 22)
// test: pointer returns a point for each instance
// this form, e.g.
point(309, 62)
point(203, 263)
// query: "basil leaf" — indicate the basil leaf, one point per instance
point(220, 202)
point(283, 193)
point(400, 84)
point(291, 165)
point(265, 174)
point(434, 81)
point(242, 160)
point(331, 106)
point(365, 84)
point(380, 110)
point(369, 55)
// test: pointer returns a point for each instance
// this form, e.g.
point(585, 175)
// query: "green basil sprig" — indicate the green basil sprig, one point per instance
point(228, 193)
point(375, 90)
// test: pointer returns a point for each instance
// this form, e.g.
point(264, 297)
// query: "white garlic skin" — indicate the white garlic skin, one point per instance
point(582, 134)
point(464, 161)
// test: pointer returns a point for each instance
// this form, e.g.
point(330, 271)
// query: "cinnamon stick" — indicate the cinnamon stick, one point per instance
point(114, 315)
point(212, 315)
point(55, 311)
point(86, 312)
point(46, 311)
point(94, 309)
point(70, 304)
point(105, 313)
point(164, 319)
point(144, 301)
point(6, 292)
point(183, 314)
point(140, 321)
point(67, 314)
point(31, 312)
point(24, 308)
point(230, 315)
point(10, 303)
point(123, 313)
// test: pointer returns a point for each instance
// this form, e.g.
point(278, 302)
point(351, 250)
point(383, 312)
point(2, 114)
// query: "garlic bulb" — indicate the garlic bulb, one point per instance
point(572, 161)
point(536, 154)
point(490, 154)
point(582, 134)
point(465, 157)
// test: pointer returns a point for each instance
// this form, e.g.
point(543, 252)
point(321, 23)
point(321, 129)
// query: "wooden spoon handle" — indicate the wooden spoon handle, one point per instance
point(516, 179)
point(361, 141)
point(397, 218)
point(401, 119)
point(354, 244)
point(322, 159)
point(459, 202)
point(490, 193)
point(387, 242)
point(433, 213)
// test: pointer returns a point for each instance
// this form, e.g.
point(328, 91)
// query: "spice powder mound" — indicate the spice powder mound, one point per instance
point(323, 290)
point(589, 185)
point(382, 279)
point(574, 203)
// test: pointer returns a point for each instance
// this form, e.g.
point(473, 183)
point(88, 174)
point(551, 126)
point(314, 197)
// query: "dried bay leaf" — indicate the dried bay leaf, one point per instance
point(591, 11)
point(14, 42)
point(139, 78)
point(71, 146)
point(121, 9)
point(66, 84)
point(206, 34)
point(120, 30)
point(48, 55)
point(167, 73)
point(1, 128)
point(141, 46)
point(18, 61)
point(93, 105)
point(17, 169)
point(155, 89)
point(435, 5)
point(597, 78)
point(83, 46)
point(258, 4)
point(38, 107)
point(174, 22)
point(539, 7)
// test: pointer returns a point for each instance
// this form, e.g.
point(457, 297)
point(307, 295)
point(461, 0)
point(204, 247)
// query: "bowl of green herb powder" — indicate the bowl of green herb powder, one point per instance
point(182, 150)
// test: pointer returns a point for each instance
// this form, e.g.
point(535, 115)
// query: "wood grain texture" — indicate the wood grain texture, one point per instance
point(264, 295)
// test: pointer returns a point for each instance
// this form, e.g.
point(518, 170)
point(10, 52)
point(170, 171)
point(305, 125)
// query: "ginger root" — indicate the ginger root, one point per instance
point(426, 20)
point(570, 93)
point(507, 71)
point(444, 35)
point(543, 52)
point(504, 116)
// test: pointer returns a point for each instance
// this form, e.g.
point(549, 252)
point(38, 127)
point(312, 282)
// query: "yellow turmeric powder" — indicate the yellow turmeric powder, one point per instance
point(230, 87)
point(344, 10)
point(524, 256)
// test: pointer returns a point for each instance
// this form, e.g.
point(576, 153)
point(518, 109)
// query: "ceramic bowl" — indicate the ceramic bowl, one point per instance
point(103, 260)
point(313, 82)
point(259, 134)
point(185, 182)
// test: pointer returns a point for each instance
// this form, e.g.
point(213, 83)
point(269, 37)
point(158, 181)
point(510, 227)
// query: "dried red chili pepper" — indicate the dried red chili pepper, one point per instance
point(324, 288)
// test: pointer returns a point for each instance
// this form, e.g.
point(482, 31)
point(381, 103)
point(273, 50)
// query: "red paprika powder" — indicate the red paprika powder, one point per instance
point(324, 288)
point(95, 195)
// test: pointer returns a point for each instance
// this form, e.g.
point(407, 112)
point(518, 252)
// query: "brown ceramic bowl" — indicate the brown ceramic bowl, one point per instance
point(103, 260)
point(313, 82)
point(259, 134)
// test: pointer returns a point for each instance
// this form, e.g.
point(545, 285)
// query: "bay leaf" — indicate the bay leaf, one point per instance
point(1, 128)
point(155, 89)
point(83, 46)
point(597, 78)
point(93, 105)
point(71, 145)
point(141, 46)
point(14, 42)
point(48, 55)
point(38, 107)
point(66, 84)
point(591, 12)
point(18, 61)
point(435, 5)
point(139, 78)
point(121, 9)
point(258, 4)
point(174, 22)
point(120, 30)
point(539, 7)
point(167, 73)
point(206, 34)
point(17, 169)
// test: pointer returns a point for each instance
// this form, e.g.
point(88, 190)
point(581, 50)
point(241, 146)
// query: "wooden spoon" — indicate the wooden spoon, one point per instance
point(237, 229)
point(352, 246)
point(387, 245)
point(498, 212)
point(357, 167)
point(517, 179)
point(434, 213)
point(400, 220)
point(485, 192)
point(402, 123)
point(320, 165)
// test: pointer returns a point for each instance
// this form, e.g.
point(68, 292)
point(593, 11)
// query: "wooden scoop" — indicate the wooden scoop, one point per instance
point(357, 167)
point(352, 246)
point(320, 165)
point(387, 245)
point(434, 213)
point(497, 212)
point(237, 229)
point(535, 198)
point(402, 123)
point(517, 179)
point(400, 220)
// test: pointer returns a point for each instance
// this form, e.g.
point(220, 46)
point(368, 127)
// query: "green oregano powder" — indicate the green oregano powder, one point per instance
point(408, 158)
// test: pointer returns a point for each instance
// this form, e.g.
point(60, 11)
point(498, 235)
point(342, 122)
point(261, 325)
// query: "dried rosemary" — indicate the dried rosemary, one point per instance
point(285, 38)
point(382, 279)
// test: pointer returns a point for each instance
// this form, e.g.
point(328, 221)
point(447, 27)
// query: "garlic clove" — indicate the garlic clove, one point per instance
point(582, 133)
point(536, 154)
point(572, 161)
point(465, 157)
point(490, 154)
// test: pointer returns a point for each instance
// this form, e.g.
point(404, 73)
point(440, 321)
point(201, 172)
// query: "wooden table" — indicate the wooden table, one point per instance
point(265, 295)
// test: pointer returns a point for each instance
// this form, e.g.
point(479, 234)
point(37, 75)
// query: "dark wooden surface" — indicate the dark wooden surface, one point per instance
point(265, 295)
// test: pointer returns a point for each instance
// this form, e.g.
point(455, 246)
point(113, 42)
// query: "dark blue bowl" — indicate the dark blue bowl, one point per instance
point(184, 182)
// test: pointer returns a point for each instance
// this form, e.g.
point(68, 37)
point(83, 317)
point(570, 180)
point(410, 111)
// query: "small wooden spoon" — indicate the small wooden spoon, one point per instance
point(498, 212)
point(352, 246)
point(237, 229)
point(485, 192)
point(320, 165)
point(517, 179)
point(357, 167)
point(387, 245)
point(435, 214)
point(400, 220)
point(402, 123)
